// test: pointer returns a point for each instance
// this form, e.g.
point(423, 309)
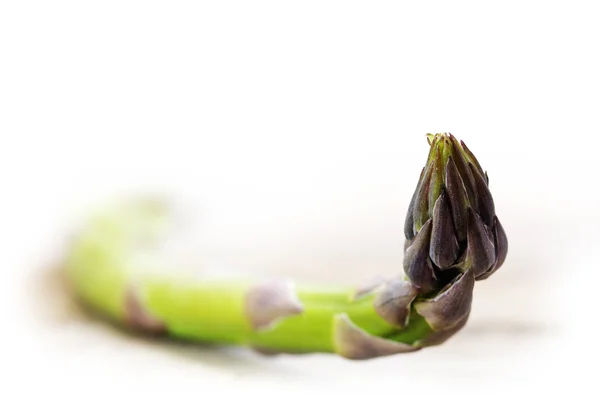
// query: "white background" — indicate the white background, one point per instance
point(298, 131)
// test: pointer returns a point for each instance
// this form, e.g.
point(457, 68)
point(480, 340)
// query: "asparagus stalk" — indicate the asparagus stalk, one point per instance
point(453, 238)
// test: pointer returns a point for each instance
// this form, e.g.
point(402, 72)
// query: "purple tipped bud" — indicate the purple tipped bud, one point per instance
point(471, 157)
point(481, 252)
point(462, 165)
point(443, 247)
point(417, 264)
point(486, 203)
point(409, 222)
point(457, 197)
point(451, 224)
point(420, 213)
point(501, 244)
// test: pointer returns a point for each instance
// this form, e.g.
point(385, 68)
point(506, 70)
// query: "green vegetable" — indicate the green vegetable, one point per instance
point(453, 238)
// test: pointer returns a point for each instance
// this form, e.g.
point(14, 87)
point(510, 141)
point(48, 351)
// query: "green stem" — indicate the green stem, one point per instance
point(215, 312)
point(100, 267)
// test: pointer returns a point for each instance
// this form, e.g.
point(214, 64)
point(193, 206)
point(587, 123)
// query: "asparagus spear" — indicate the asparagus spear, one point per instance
point(453, 239)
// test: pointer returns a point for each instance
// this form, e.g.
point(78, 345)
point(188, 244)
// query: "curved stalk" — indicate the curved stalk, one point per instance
point(103, 270)
point(453, 239)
